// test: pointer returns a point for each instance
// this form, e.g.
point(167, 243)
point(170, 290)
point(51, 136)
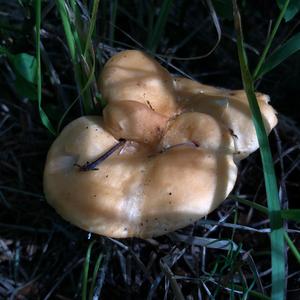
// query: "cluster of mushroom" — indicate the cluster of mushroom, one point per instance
point(163, 155)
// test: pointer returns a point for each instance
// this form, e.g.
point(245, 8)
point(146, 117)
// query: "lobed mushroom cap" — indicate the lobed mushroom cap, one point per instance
point(177, 164)
point(133, 75)
point(134, 121)
point(230, 107)
point(134, 192)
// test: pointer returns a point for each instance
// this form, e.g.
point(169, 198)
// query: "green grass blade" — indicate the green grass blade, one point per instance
point(90, 80)
point(276, 58)
point(95, 273)
point(291, 214)
point(88, 57)
point(292, 10)
point(277, 231)
point(150, 22)
point(159, 26)
point(286, 214)
point(45, 120)
point(114, 8)
point(292, 246)
point(91, 26)
point(258, 207)
point(67, 28)
point(270, 40)
point(75, 48)
point(65, 114)
point(86, 267)
point(216, 22)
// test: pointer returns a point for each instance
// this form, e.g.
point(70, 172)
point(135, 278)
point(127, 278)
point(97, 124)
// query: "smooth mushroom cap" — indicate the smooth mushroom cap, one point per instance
point(134, 121)
point(183, 185)
point(133, 75)
point(135, 191)
point(104, 201)
point(229, 107)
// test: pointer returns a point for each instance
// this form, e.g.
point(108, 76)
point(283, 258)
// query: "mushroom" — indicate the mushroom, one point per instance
point(230, 107)
point(135, 191)
point(134, 121)
point(162, 156)
point(133, 75)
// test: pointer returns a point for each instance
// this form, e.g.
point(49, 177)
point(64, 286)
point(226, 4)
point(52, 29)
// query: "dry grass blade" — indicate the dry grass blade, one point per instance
point(204, 242)
point(169, 274)
point(219, 35)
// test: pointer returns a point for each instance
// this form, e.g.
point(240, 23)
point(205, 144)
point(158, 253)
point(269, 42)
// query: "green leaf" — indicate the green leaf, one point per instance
point(25, 89)
point(285, 51)
point(291, 214)
point(25, 68)
point(292, 10)
point(25, 65)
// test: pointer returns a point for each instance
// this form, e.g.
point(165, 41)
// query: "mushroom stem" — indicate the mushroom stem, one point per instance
point(92, 166)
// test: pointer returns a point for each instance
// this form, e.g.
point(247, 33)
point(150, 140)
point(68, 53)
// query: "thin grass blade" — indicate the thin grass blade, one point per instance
point(67, 29)
point(75, 43)
point(258, 207)
point(175, 286)
point(45, 120)
point(113, 8)
point(270, 40)
point(94, 277)
point(280, 55)
point(91, 26)
point(292, 246)
point(159, 26)
point(291, 214)
point(86, 267)
point(219, 35)
point(277, 231)
point(204, 242)
point(292, 10)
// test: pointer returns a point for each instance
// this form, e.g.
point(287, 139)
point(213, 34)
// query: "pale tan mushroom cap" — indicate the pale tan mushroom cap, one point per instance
point(134, 121)
point(177, 165)
point(133, 75)
point(229, 107)
point(199, 129)
point(134, 192)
